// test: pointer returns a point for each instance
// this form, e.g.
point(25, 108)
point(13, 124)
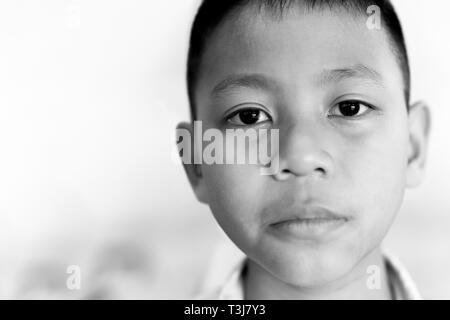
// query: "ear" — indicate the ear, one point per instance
point(419, 122)
point(185, 131)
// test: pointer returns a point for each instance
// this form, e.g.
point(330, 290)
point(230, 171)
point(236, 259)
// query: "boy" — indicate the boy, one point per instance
point(335, 84)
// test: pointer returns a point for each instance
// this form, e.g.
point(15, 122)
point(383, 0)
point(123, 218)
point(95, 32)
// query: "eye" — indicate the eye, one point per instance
point(351, 108)
point(247, 117)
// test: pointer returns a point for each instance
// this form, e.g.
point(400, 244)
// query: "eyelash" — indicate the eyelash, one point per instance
point(240, 111)
point(370, 108)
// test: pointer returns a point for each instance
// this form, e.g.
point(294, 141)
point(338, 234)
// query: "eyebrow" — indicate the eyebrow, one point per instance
point(327, 76)
point(251, 81)
point(358, 71)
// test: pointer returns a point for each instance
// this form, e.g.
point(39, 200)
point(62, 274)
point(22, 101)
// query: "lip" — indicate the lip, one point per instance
point(311, 223)
point(311, 213)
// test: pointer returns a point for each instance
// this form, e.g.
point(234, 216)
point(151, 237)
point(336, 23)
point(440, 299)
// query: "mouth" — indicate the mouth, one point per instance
point(309, 224)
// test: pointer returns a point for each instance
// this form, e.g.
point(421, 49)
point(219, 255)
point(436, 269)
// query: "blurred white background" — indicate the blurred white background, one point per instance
point(90, 93)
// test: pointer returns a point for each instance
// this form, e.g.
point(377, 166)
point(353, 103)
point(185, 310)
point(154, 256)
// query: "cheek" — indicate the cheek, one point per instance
point(235, 198)
point(377, 165)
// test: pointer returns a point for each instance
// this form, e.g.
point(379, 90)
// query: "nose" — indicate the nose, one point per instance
point(302, 152)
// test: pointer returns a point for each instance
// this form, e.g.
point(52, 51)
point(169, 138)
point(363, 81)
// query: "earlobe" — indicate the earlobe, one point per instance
point(185, 141)
point(419, 123)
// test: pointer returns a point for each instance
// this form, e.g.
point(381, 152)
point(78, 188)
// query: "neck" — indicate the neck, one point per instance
point(353, 285)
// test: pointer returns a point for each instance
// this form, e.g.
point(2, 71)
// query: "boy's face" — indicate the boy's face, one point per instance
point(299, 72)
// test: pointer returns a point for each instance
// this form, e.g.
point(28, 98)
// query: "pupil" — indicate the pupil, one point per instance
point(349, 109)
point(249, 116)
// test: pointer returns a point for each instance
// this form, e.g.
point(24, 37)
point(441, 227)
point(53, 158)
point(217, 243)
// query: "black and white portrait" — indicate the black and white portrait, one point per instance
point(224, 150)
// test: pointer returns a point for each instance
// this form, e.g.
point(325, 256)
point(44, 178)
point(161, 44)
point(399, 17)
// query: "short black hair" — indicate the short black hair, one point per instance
point(213, 12)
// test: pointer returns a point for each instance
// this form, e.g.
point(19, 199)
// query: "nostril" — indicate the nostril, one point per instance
point(320, 170)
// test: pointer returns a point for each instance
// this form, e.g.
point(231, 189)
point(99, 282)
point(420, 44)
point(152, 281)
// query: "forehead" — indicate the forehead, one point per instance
point(295, 48)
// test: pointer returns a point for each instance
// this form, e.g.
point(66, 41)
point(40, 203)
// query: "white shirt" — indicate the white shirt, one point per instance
point(225, 281)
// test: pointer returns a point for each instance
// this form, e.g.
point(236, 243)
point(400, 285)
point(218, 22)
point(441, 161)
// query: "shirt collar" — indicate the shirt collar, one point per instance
point(402, 285)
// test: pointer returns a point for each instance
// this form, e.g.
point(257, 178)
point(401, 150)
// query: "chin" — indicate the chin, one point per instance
point(311, 268)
